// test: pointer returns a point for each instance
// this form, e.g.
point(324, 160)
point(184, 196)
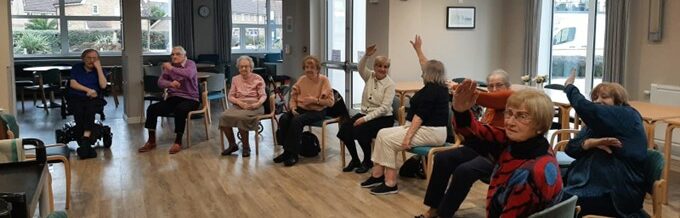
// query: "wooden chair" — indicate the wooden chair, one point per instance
point(323, 124)
point(564, 209)
point(13, 150)
point(216, 91)
point(56, 153)
point(268, 116)
point(203, 110)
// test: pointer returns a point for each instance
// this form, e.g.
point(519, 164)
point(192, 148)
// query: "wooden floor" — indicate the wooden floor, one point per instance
point(198, 182)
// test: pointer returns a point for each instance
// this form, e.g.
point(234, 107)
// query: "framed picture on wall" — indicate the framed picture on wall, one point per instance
point(460, 17)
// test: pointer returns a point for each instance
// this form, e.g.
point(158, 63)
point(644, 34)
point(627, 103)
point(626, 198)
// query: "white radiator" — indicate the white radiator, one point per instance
point(667, 95)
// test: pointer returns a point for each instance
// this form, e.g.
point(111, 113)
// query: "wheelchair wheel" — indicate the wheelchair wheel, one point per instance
point(260, 129)
point(107, 136)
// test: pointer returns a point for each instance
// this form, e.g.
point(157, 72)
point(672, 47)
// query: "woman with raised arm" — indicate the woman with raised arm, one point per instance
point(376, 111)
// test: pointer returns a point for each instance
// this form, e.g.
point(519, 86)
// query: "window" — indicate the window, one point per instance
point(256, 26)
point(156, 26)
point(66, 27)
point(577, 37)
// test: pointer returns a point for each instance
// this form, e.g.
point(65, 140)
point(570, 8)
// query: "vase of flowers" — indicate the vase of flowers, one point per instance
point(539, 80)
point(526, 79)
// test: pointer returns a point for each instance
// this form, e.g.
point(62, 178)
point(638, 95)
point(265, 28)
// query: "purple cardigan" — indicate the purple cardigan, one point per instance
point(187, 77)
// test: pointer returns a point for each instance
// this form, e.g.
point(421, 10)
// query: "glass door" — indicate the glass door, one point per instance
point(345, 45)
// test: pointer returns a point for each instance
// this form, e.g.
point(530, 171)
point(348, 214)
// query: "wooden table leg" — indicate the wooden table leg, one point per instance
point(649, 128)
point(667, 160)
point(402, 95)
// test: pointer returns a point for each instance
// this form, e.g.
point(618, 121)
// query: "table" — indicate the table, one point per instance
point(403, 88)
point(651, 113)
point(29, 181)
point(35, 70)
point(204, 65)
point(203, 75)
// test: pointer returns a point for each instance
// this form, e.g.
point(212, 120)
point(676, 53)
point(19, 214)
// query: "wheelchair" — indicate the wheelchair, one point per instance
point(69, 132)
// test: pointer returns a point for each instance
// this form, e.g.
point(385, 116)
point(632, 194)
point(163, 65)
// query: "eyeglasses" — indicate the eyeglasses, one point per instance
point(496, 85)
point(520, 116)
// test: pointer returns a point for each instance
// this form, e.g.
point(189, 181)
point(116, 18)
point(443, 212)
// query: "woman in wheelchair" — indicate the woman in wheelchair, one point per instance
point(84, 101)
point(246, 95)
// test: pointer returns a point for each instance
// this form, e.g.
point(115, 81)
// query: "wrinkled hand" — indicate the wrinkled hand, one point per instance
point(91, 93)
point(175, 84)
point(370, 50)
point(359, 121)
point(167, 66)
point(242, 105)
point(97, 65)
point(465, 96)
point(417, 43)
point(406, 143)
point(571, 78)
point(605, 144)
point(294, 111)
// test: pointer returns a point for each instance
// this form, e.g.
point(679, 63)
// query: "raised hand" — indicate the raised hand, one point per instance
point(465, 96)
point(167, 66)
point(417, 43)
point(370, 50)
point(571, 78)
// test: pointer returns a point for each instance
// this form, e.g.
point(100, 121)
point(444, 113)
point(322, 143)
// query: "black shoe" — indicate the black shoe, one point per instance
point(362, 169)
point(245, 152)
point(372, 182)
point(84, 142)
point(280, 158)
point(352, 164)
point(229, 150)
point(86, 152)
point(383, 189)
point(290, 161)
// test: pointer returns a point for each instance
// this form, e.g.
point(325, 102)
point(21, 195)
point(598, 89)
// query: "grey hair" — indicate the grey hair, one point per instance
point(434, 72)
point(504, 76)
point(181, 49)
point(381, 60)
point(245, 57)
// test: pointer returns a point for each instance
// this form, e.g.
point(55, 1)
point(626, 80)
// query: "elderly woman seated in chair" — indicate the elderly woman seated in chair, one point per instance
point(526, 178)
point(246, 95)
point(607, 175)
point(310, 97)
point(84, 100)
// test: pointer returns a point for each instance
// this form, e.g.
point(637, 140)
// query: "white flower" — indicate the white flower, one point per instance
point(540, 79)
point(526, 78)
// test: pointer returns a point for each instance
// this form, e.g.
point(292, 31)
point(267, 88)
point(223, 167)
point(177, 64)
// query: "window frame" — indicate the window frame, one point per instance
point(269, 30)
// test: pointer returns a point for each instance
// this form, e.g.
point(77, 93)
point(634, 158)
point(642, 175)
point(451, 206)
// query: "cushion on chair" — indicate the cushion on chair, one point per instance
point(564, 209)
point(421, 150)
point(563, 159)
point(653, 168)
point(58, 151)
point(11, 150)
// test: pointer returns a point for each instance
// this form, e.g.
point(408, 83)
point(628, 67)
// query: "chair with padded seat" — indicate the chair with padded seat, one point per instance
point(217, 90)
point(564, 209)
point(269, 114)
point(202, 110)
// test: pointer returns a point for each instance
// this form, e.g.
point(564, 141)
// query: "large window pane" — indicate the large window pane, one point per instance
point(104, 36)
point(156, 35)
point(337, 79)
point(254, 38)
point(34, 7)
point(235, 38)
point(570, 40)
point(90, 7)
point(357, 90)
point(336, 30)
point(156, 8)
point(37, 36)
point(359, 31)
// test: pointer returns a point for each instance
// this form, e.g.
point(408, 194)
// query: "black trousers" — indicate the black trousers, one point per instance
point(466, 167)
point(601, 205)
point(290, 129)
point(178, 106)
point(84, 110)
point(363, 133)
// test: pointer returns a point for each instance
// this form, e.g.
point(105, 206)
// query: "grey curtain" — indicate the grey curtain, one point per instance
point(615, 37)
point(532, 25)
point(183, 25)
point(223, 30)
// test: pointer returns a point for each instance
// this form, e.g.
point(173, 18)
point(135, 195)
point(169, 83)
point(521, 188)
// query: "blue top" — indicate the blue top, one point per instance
point(86, 78)
point(596, 173)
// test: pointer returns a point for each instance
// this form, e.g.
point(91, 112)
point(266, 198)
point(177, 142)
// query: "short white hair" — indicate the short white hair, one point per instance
point(181, 49)
point(245, 57)
point(503, 74)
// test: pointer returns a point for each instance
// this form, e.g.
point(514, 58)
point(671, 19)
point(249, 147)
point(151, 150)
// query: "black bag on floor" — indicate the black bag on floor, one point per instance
point(309, 145)
point(413, 168)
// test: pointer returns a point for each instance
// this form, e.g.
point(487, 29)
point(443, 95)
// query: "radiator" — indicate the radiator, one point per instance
point(667, 95)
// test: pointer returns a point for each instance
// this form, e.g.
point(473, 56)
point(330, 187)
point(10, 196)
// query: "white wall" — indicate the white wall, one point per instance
point(465, 53)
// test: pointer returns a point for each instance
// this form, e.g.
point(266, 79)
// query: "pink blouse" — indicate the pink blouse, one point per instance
point(247, 90)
